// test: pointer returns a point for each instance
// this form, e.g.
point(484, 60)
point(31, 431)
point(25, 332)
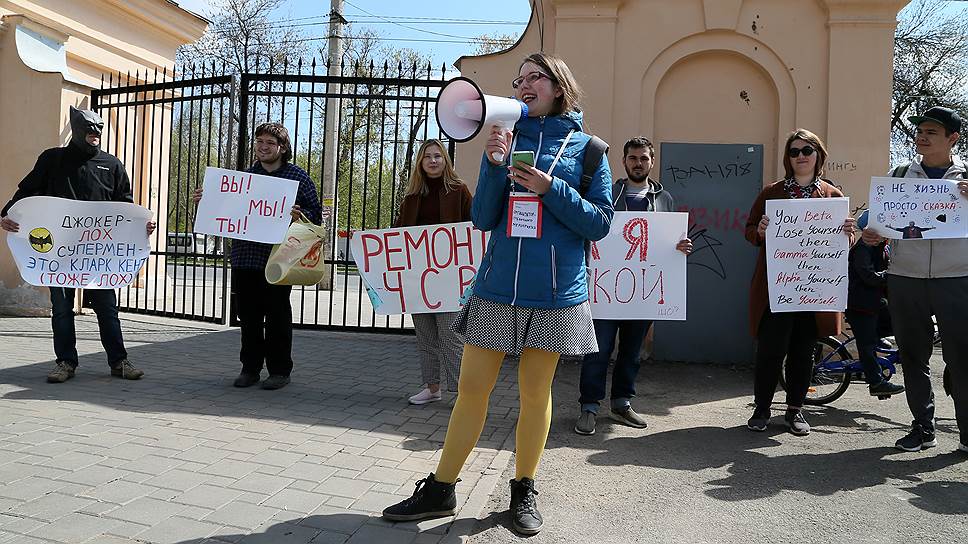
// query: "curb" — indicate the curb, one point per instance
point(465, 521)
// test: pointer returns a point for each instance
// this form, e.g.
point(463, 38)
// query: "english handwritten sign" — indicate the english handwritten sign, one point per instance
point(418, 269)
point(245, 206)
point(636, 271)
point(78, 244)
point(911, 208)
point(806, 254)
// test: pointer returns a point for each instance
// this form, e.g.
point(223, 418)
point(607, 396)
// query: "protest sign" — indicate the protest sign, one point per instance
point(245, 206)
point(906, 208)
point(418, 269)
point(806, 254)
point(636, 271)
point(78, 244)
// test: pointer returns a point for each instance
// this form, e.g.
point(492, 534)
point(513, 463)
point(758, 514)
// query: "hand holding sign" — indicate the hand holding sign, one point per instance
point(916, 208)
point(245, 206)
point(806, 254)
point(79, 244)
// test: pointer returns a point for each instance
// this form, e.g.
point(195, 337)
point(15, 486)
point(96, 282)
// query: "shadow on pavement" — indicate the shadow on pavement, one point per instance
point(350, 380)
point(755, 475)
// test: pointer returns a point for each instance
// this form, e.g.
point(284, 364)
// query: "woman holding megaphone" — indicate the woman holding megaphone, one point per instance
point(530, 296)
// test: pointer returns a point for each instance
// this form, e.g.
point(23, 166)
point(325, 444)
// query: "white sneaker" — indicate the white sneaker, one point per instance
point(425, 397)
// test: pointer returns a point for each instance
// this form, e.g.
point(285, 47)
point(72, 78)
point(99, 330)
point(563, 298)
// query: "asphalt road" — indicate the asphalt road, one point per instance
point(697, 475)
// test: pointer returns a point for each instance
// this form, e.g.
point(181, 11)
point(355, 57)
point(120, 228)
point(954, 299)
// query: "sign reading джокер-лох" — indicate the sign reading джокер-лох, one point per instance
point(78, 244)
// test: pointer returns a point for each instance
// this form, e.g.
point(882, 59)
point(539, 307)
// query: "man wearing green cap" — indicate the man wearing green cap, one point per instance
point(930, 278)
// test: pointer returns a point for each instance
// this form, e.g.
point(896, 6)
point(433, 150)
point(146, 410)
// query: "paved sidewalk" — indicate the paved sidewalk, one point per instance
point(696, 475)
point(183, 457)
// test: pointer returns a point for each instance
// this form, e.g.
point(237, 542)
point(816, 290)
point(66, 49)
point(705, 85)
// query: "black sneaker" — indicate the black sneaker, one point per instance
point(586, 423)
point(627, 416)
point(525, 518)
point(885, 389)
point(246, 380)
point(430, 499)
point(796, 423)
point(759, 419)
point(275, 382)
point(916, 440)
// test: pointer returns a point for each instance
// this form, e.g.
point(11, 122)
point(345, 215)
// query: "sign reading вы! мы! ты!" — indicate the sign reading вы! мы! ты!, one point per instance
point(806, 254)
point(245, 206)
point(78, 244)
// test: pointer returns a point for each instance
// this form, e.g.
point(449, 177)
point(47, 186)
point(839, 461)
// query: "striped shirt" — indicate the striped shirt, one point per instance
point(255, 255)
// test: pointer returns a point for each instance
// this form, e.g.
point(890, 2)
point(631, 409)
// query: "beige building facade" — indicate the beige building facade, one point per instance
point(53, 53)
point(717, 85)
point(720, 71)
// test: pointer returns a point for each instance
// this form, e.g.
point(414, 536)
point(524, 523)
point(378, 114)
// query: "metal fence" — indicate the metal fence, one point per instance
point(166, 128)
point(354, 129)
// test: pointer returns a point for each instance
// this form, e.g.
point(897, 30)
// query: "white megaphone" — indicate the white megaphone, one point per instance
point(463, 109)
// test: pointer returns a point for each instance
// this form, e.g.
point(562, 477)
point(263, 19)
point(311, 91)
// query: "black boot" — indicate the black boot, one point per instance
point(430, 499)
point(525, 517)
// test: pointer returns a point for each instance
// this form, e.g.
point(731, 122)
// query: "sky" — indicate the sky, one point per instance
point(414, 14)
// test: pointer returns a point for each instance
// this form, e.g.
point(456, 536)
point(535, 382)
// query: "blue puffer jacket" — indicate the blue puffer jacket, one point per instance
point(547, 272)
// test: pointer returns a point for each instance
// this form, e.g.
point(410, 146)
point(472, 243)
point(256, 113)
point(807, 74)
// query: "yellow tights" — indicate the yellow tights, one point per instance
point(479, 370)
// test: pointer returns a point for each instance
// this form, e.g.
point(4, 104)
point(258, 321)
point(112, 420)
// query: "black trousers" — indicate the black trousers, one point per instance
point(912, 302)
point(105, 304)
point(265, 314)
point(790, 336)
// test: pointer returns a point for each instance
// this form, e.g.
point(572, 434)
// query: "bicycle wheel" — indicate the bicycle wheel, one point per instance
point(829, 380)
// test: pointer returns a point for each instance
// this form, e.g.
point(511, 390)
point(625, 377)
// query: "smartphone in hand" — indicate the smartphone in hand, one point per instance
point(522, 157)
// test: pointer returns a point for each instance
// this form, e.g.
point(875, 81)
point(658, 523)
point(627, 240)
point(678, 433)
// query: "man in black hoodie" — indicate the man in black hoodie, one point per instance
point(637, 193)
point(80, 171)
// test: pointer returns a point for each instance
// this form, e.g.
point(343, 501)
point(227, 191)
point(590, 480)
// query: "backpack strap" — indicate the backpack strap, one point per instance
point(900, 171)
point(594, 151)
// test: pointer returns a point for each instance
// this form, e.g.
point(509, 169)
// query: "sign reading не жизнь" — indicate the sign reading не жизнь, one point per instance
point(911, 208)
point(806, 254)
point(78, 244)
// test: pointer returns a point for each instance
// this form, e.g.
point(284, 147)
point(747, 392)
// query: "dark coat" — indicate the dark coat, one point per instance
point(867, 277)
point(68, 172)
point(455, 207)
point(828, 323)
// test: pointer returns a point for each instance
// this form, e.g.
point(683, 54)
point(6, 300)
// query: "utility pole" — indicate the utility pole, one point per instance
point(330, 137)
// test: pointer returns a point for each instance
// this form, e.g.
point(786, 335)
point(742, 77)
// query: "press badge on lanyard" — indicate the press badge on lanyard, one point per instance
point(524, 208)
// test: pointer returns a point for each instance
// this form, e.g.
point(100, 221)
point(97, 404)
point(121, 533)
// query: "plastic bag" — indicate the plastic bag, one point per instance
point(298, 260)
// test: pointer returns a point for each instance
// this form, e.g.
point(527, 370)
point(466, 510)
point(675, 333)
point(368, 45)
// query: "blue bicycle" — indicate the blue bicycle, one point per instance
point(835, 366)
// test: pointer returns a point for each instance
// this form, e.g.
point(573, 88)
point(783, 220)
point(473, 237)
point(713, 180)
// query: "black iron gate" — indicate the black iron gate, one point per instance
point(168, 130)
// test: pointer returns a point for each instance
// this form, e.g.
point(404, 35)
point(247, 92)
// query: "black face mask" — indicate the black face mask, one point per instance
point(84, 122)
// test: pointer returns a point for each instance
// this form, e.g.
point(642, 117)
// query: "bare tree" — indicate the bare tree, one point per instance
point(243, 37)
point(493, 43)
point(930, 68)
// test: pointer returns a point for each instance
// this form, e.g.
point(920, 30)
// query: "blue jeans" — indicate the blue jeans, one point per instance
point(594, 368)
point(105, 305)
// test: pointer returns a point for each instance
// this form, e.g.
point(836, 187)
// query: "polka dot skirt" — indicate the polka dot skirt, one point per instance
point(510, 329)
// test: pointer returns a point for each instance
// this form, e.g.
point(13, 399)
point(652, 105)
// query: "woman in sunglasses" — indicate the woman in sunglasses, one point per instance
point(530, 296)
point(787, 335)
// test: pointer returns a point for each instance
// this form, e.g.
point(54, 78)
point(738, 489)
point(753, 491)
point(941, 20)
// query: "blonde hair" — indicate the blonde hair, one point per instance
point(418, 178)
point(813, 140)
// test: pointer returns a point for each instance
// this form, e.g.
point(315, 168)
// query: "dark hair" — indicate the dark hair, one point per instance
point(570, 99)
point(813, 140)
point(638, 141)
point(279, 132)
